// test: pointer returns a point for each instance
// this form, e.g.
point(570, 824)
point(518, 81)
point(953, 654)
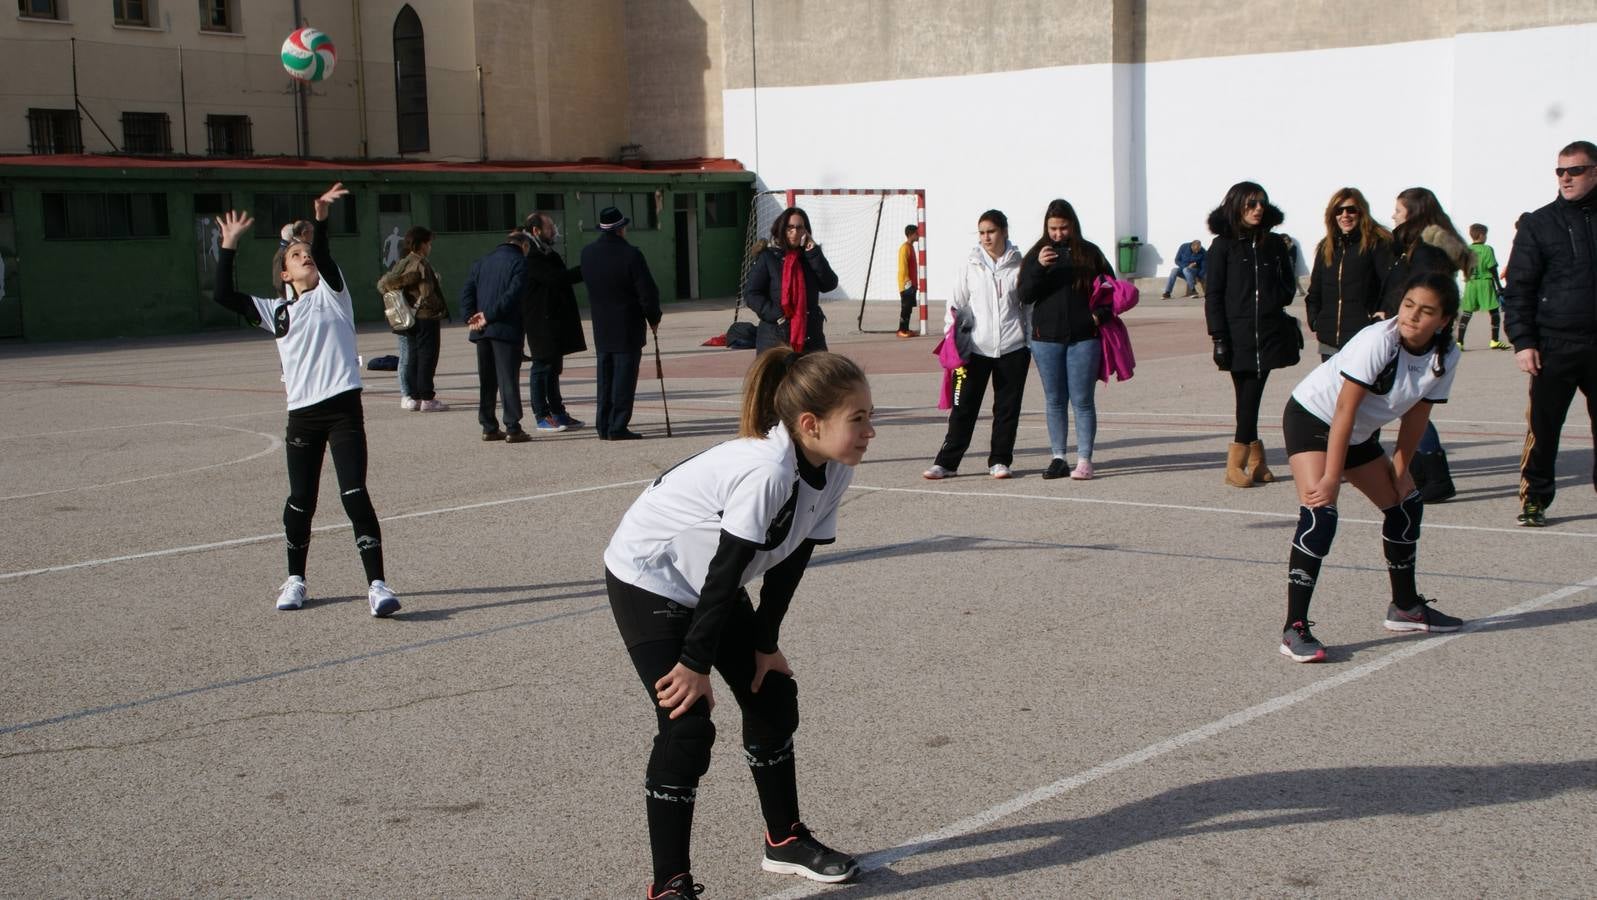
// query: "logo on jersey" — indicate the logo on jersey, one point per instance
point(280, 320)
point(782, 522)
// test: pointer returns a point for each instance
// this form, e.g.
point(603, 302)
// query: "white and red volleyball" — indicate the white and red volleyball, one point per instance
point(308, 55)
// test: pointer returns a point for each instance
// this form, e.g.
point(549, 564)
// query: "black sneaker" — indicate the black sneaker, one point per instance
point(1300, 645)
point(1533, 515)
point(802, 854)
point(680, 886)
point(1420, 618)
point(1056, 469)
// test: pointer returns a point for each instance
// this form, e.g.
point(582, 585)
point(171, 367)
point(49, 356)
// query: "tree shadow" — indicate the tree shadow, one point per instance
point(1238, 804)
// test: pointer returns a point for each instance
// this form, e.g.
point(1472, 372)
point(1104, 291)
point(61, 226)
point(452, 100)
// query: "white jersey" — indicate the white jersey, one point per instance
point(1395, 379)
point(316, 342)
point(749, 488)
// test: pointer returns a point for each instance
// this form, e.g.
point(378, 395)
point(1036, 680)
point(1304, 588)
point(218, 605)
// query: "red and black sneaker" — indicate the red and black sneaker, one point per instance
point(680, 886)
point(802, 854)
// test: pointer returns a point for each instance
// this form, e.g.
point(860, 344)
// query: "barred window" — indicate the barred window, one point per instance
point(83, 215)
point(131, 12)
point(721, 209)
point(473, 212)
point(54, 131)
point(228, 136)
point(146, 133)
point(638, 207)
point(219, 15)
point(39, 9)
point(274, 210)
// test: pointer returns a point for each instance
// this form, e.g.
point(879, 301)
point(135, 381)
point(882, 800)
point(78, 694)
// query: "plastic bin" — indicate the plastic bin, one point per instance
point(1128, 255)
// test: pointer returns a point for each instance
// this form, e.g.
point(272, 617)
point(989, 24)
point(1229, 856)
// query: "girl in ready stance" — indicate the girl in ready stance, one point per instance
point(675, 571)
point(1392, 369)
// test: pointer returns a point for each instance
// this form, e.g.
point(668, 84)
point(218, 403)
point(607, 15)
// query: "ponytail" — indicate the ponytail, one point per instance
point(783, 384)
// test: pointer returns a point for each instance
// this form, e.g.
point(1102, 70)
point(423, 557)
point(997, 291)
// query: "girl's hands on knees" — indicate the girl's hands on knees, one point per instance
point(681, 688)
point(233, 225)
point(1404, 484)
point(768, 662)
point(1323, 493)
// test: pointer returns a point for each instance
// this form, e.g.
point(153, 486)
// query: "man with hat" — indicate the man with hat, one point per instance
point(622, 300)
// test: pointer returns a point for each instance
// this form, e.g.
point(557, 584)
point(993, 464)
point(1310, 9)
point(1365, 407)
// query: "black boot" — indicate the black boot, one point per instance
point(1432, 477)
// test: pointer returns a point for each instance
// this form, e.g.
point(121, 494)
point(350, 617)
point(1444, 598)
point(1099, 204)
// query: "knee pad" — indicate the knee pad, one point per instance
point(1401, 523)
point(771, 716)
point(682, 752)
point(1316, 530)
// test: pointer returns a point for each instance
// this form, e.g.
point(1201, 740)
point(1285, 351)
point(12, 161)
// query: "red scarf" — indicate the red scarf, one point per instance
point(795, 305)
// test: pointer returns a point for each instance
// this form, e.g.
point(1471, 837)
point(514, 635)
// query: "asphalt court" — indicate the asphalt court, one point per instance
point(1008, 689)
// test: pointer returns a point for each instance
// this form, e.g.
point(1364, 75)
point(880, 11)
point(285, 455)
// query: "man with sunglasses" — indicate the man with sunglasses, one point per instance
point(1551, 299)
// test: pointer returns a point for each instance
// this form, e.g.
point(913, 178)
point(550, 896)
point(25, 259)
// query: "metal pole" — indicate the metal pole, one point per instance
point(482, 116)
point(870, 263)
point(300, 95)
point(183, 99)
point(360, 81)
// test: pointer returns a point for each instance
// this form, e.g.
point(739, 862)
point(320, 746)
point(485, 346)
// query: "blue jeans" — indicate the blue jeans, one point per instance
point(543, 384)
point(404, 360)
point(1069, 373)
point(1188, 275)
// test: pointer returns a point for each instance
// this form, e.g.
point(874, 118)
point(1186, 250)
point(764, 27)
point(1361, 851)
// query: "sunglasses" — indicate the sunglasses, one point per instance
point(1574, 171)
point(1347, 210)
point(1255, 203)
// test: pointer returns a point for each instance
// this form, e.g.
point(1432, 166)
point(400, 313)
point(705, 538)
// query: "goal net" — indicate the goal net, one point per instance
point(860, 232)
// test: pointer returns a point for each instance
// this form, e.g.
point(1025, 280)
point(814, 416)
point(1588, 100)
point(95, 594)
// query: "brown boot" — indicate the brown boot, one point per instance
point(1256, 468)
point(1235, 457)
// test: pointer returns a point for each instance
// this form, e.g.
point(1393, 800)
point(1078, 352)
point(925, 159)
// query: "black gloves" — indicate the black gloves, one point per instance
point(1222, 354)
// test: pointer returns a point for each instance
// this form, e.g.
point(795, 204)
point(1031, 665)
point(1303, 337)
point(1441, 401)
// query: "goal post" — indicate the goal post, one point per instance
point(860, 230)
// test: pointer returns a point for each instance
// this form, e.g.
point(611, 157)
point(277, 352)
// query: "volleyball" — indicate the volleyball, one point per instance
point(308, 55)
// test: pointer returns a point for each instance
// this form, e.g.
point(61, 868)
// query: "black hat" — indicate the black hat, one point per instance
point(611, 218)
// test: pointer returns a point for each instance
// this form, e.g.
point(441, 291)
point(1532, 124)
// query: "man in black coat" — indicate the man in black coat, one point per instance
point(1551, 300)
point(554, 325)
point(491, 302)
point(623, 300)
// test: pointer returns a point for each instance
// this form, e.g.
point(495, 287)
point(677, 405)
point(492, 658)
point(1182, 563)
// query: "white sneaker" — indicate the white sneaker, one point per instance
point(407, 403)
point(937, 473)
point(433, 406)
point(292, 594)
point(382, 599)
point(1000, 471)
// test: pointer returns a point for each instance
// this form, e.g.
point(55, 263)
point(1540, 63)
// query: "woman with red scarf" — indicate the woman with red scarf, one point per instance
point(785, 286)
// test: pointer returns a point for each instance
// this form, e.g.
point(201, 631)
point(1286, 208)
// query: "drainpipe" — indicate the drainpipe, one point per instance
point(360, 80)
point(300, 90)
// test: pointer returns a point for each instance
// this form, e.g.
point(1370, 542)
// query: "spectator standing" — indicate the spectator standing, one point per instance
point(785, 286)
point(416, 278)
point(1552, 319)
point(908, 279)
point(1345, 282)
point(1249, 285)
point(622, 300)
point(554, 325)
point(491, 303)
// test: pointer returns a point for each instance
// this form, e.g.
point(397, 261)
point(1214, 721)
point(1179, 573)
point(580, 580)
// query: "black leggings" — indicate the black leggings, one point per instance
point(338, 423)
point(1249, 388)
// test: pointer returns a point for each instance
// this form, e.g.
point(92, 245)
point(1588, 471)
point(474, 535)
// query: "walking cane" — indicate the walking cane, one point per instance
point(659, 372)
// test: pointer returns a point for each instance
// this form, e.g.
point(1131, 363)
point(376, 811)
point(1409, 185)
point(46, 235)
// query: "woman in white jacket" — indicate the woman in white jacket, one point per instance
point(986, 307)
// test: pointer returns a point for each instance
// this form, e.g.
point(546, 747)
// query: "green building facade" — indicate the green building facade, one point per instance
point(101, 247)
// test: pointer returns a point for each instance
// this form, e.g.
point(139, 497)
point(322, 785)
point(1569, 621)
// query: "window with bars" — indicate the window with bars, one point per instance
point(40, 9)
point(473, 212)
point(83, 215)
point(54, 131)
point(410, 82)
point(144, 132)
point(219, 15)
point(721, 209)
point(131, 12)
point(637, 207)
point(274, 210)
point(228, 136)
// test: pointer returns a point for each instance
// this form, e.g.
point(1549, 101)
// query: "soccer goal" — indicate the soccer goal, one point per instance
point(861, 232)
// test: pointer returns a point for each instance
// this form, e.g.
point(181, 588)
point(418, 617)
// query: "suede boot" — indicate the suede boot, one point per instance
point(1235, 458)
point(1259, 472)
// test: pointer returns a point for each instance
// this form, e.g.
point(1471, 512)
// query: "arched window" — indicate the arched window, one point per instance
point(410, 81)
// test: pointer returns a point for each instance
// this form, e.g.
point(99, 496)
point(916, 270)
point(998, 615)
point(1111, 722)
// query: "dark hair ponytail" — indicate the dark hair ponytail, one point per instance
point(783, 383)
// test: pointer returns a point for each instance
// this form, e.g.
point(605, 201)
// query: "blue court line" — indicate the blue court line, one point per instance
point(297, 670)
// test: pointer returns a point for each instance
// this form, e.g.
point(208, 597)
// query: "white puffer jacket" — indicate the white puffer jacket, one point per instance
point(992, 301)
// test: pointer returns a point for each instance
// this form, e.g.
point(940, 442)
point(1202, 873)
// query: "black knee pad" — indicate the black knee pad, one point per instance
point(772, 715)
point(682, 751)
point(1401, 523)
point(1316, 530)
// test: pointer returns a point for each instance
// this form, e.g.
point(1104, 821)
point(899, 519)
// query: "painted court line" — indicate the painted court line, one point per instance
point(273, 443)
point(973, 823)
point(277, 536)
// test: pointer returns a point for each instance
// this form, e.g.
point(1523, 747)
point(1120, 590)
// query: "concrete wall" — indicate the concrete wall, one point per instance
point(675, 60)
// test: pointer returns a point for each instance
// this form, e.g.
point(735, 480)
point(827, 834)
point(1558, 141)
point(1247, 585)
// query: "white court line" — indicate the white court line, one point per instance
point(39, 434)
point(273, 443)
point(973, 823)
point(1526, 532)
point(277, 536)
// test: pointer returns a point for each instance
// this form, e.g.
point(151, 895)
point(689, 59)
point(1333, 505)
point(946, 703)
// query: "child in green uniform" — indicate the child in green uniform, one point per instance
point(1482, 288)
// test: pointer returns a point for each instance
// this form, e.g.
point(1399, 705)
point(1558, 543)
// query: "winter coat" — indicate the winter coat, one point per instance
point(418, 280)
point(1250, 285)
point(1436, 251)
point(1552, 275)
point(622, 297)
point(1113, 298)
point(763, 296)
point(992, 299)
point(1187, 256)
point(549, 307)
point(1059, 310)
point(1345, 294)
point(493, 287)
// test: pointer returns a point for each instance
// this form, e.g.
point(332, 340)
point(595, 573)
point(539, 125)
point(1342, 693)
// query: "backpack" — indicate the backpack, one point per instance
point(401, 315)
point(740, 336)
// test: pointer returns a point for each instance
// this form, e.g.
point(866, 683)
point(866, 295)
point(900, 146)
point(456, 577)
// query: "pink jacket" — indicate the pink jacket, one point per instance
point(1118, 297)
point(947, 354)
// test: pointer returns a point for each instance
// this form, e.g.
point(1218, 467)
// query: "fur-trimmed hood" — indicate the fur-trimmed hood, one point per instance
point(1273, 216)
point(1445, 241)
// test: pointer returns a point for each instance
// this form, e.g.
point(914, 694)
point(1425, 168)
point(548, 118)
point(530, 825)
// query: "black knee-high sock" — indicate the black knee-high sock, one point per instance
point(297, 534)
point(1463, 325)
point(776, 781)
point(1303, 570)
point(1497, 321)
point(670, 811)
point(368, 533)
point(1400, 541)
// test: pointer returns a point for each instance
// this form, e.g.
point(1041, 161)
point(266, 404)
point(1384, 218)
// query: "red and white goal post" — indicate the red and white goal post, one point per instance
point(860, 230)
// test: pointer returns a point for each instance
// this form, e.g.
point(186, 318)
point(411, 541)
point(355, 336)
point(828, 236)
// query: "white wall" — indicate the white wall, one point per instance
point(1150, 149)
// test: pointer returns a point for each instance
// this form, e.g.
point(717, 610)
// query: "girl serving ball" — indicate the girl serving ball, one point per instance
point(1394, 369)
point(675, 571)
point(313, 320)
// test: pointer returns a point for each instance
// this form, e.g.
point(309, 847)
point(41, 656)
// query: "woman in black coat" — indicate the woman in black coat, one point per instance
point(785, 286)
point(1349, 262)
point(553, 323)
point(1250, 282)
